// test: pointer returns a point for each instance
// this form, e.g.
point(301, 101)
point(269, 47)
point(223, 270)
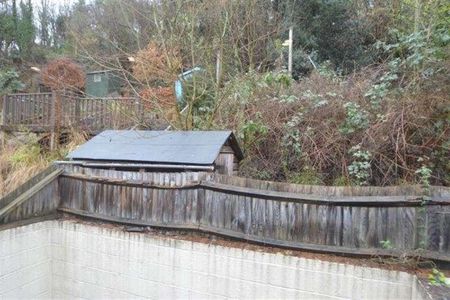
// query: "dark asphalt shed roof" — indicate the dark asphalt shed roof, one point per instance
point(171, 147)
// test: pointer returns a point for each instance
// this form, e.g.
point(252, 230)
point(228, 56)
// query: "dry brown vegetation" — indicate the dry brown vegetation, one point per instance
point(157, 65)
point(63, 74)
point(309, 133)
point(25, 155)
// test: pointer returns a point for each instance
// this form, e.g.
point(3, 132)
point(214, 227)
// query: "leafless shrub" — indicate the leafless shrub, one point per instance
point(309, 134)
point(63, 74)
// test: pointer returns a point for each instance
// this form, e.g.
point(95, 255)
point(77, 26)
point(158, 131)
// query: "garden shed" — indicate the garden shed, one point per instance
point(102, 83)
point(212, 151)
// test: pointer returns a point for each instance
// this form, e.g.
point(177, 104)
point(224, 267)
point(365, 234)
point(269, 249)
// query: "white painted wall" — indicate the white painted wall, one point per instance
point(63, 259)
point(25, 261)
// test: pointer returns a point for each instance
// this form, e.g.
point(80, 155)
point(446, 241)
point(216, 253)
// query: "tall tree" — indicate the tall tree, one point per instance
point(327, 30)
point(44, 23)
point(25, 29)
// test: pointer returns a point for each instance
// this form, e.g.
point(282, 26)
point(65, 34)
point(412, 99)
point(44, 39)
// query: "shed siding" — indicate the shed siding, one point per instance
point(225, 163)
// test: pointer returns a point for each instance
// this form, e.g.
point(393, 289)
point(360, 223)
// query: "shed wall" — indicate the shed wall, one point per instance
point(226, 162)
point(97, 84)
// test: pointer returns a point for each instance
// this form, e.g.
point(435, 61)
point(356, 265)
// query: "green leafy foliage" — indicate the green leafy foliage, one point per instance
point(307, 176)
point(253, 132)
point(387, 244)
point(356, 119)
point(359, 169)
point(424, 173)
point(415, 56)
point(10, 82)
point(25, 30)
point(282, 79)
point(25, 155)
point(17, 30)
point(437, 277)
point(381, 89)
point(327, 31)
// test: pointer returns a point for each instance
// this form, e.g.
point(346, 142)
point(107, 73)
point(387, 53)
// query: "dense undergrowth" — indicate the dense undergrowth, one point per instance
point(26, 155)
point(387, 124)
point(325, 130)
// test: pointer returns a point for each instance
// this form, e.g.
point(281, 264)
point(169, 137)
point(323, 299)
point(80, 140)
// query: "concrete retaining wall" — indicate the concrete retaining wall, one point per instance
point(25, 261)
point(64, 259)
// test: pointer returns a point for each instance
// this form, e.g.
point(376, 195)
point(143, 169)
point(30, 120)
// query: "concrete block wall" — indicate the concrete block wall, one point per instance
point(25, 262)
point(88, 261)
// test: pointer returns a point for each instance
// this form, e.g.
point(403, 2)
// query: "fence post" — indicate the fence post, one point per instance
point(420, 223)
point(136, 115)
point(432, 232)
point(53, 122)
point(141, 112)
point(4, 112)
point(77, 112)
point(3, 122)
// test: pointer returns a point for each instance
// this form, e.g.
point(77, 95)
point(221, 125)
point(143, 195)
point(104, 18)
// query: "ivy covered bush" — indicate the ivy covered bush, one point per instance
point(341, 130)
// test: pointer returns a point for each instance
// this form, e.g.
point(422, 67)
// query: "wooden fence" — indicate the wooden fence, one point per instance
point(343, 220)
point(38, 112)
point(37, 198)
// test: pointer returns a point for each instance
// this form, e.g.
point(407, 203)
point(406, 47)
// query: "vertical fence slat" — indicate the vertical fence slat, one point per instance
point(5, 110)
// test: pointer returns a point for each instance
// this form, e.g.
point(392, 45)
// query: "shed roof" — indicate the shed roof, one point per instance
point(171, 147)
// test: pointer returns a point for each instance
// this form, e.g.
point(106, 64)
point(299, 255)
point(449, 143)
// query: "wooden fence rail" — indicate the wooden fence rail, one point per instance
point(38, 197)
point(38, 112)
point(356, 221)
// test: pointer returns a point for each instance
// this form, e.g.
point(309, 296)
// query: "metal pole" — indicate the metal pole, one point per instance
point(290, 51)
point(218, 66)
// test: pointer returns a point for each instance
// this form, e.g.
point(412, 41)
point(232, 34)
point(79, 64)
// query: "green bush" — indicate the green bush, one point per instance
point(10, 81)
point(26, 155)
point(307, 176)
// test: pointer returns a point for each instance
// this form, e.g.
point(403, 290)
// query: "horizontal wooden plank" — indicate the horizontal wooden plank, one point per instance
point(361, 252)
point(382, 201)
point(129, 182)
point(42, 129)
point(30, 192)
point(26, 186)
point(321, 190)
point(24, 128)
point(385, 201)
point(125, 221)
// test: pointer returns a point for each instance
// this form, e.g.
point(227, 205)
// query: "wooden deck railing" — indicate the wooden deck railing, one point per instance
point(38, 112)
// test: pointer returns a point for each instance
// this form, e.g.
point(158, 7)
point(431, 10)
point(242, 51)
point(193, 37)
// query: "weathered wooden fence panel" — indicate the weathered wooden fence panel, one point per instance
point(39, 196)
point(377, 224)
point(166, 199)
point(343, 225)
point(38, 112)
point(346, 224)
